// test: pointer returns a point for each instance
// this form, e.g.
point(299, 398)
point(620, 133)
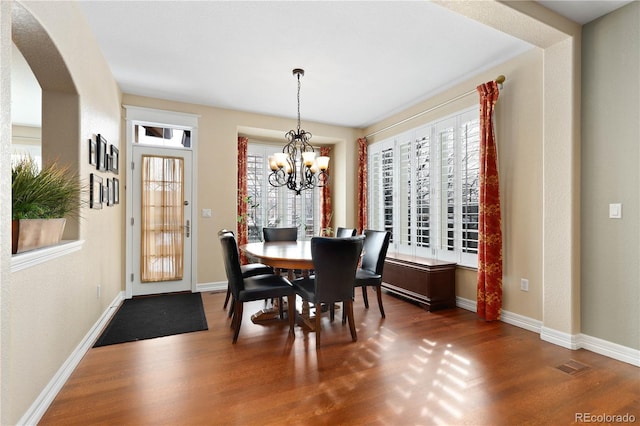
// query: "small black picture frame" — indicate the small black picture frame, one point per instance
point(107, 193)
point(92, 152)
point(114, 159)
point(95, 192)
point(116, 191)
point(102, 153)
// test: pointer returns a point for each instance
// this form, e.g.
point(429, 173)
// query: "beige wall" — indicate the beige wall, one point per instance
point(559, 39)
point(47, 310)
point(610, 174)
point(218, 130)
point(5, 195)
point(519, 136)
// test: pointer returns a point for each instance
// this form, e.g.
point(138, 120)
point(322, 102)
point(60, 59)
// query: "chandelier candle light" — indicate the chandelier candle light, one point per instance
point(297, 166)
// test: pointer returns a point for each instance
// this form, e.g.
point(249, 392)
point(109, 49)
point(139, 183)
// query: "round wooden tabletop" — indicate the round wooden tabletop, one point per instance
point(282, 254)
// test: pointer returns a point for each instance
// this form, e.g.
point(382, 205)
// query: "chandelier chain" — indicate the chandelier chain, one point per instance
point(298, 103)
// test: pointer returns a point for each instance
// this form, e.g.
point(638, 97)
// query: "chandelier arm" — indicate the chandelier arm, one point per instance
point(322, 178)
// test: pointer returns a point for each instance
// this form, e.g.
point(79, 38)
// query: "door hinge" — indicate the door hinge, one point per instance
point(131, 221)
point(132, 165)
point(131, 277)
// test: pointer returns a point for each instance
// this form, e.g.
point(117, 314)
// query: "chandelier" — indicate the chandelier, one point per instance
point(297, 166)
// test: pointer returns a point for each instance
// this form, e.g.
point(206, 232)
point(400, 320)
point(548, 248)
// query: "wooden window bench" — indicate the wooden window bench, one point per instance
point(430, 282)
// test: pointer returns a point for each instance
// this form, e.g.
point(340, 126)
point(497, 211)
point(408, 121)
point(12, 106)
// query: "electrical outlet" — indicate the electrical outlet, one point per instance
point(524, 284)
point(99, 291)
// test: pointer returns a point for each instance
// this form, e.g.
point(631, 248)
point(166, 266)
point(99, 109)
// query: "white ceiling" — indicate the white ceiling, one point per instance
point(363, 60)
point(583, 11)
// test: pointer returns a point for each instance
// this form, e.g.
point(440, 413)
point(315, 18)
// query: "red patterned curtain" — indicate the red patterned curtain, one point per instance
point(242, 194)
point(489, 231)
point(362, 184)
point(325, 205)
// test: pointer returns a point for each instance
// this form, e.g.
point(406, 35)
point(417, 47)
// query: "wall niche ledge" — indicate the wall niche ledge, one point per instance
point(32, 258)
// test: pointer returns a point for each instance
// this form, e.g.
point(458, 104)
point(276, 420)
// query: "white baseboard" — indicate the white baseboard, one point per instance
point(521, 321)
point(469, 305)
point(611, 350)
point(215, 286)
point(569, 341)
point(560, 338)
point(505, 316)
point(48, 394)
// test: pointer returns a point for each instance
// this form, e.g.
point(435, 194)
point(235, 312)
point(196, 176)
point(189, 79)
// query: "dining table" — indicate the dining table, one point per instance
point(282, 255)
point(289, 256)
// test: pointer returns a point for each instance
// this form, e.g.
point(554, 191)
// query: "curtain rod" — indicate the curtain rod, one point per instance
point(500, 79)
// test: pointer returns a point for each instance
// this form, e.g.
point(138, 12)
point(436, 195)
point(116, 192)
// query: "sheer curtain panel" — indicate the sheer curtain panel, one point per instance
point(162, 240)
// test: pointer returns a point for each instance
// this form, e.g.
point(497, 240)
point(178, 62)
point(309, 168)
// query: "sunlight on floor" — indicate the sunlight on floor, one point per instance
point(438, 374)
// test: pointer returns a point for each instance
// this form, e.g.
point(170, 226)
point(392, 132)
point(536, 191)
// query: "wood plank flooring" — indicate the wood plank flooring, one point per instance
point(412, 368)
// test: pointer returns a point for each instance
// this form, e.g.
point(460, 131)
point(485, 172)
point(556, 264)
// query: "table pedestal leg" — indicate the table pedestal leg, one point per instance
point(267, 314)
point(305, 318)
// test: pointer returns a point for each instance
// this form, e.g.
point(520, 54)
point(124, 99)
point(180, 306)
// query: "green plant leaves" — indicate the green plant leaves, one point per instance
point(53, 192)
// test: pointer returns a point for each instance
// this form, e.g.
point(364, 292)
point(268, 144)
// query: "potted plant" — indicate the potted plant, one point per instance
point(254, 231)
point(40, 200)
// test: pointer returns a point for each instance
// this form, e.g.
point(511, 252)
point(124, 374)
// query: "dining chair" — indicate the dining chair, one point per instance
point(345, 232)
point(252, 288)
point(280, 234)
point(335, 261)
point(248, 270)
point(369, 274)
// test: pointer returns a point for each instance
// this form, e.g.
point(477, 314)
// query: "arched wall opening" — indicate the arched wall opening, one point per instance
point(60, 98)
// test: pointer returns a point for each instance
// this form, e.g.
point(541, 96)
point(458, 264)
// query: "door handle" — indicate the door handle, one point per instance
point(187, 229)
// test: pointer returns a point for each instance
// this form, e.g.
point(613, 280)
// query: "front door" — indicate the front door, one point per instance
point(161, 220)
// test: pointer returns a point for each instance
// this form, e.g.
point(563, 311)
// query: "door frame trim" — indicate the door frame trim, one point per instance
point(161, 118)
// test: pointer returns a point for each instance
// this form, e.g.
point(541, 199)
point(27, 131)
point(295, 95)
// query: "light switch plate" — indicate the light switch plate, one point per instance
point(615, 211)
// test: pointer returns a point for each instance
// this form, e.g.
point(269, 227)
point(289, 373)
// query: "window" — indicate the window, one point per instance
point(162, 136)
point(423, 187)
point(269, 206)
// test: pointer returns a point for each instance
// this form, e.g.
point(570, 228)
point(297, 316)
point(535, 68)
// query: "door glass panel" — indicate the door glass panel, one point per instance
point(162, 239)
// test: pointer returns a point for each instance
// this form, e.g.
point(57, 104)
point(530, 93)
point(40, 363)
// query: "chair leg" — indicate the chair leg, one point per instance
point(332, 311)
point(379, 291)
point(291, 310)
point(238, 320)
point(352, 324)
point(226, 298)
point(233, 304)
point(318, 327)
point(280, 308)
point(364, 297)
point(232, 309)
point(344, 313)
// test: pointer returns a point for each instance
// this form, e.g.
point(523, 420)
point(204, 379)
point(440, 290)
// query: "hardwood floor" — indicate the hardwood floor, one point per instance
point(414, 367)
